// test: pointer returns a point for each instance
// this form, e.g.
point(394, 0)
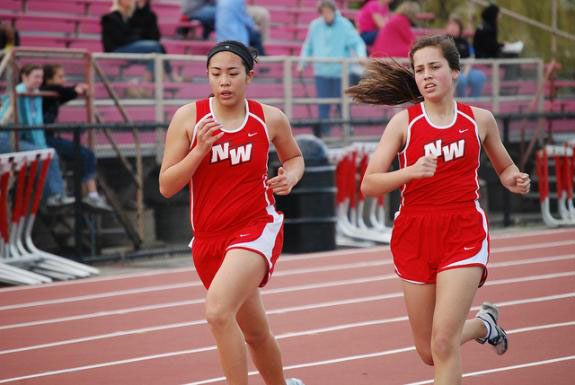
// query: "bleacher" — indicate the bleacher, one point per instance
point(75, 24)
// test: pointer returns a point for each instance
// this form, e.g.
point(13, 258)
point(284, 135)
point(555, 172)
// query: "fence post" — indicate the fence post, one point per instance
point(495, 86)
point(345, 107)
point(506, 193)
point(159, 95)
point(78, 220)
point(288, 87)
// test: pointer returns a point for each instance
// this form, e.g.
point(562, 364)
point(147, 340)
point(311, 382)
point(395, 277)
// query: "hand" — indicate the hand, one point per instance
point(282, 183)
point(517, 182)
point(81, 89)
point(424, 167)
point(207, 135)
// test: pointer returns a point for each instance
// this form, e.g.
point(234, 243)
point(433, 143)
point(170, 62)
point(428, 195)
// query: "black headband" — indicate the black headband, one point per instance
point(234, 48)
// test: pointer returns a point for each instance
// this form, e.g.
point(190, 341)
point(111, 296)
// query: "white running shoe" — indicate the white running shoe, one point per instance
point(496, 336)
point(294, 381)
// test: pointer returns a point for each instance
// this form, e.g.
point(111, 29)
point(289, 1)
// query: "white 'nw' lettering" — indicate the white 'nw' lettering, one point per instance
point(453, 150)
point(241, 154)
point(433, 148)
point(220, 152)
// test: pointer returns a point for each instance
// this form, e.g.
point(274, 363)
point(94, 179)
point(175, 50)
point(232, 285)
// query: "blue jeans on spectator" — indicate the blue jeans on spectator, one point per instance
point(327, 87)
point(54, 181)
point(369, 36)
point(66, 150)
point(256, 41)
point(146, 46)
point(474, 80)
point(206, 15)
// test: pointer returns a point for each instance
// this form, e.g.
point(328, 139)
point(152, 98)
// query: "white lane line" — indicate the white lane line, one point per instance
point(287, 258)
point(342, 359)
point(507, 368)
point(201, 300)
point(344, 266)
point(192, 351)
point(163, 327)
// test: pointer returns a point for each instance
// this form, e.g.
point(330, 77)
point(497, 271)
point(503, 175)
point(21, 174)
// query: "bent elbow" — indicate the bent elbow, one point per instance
point(366, 188)
point(166, 193)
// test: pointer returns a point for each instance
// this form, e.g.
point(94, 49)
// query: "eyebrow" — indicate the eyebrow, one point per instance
point(228, 68)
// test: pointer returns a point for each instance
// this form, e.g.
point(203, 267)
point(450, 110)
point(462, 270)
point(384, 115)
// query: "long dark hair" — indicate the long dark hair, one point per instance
point(390, 83)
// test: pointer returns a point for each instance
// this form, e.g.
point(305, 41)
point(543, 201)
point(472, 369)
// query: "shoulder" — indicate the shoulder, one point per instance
point(185, 113)
point(315, 24)
point(274, 116)
point(483, 116)
point(400, 119)
point(111, 17)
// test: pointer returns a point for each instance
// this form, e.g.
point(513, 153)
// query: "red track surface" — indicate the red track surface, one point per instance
point(339, 318)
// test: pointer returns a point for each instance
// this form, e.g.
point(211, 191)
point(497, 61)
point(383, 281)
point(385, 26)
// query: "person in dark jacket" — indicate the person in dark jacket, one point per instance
point(469, 78)
point(485, 41)
point(132, 27)
point(54, 80)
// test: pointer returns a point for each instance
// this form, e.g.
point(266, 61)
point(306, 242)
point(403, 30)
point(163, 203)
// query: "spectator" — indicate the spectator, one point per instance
point(329, 36)
point(54, 80)
point(233, 23)
point(203, 11)
point(371, 18)
point(125, 30)
point(9, 37)
point(261, 17)
point(485, 39)
point(469, 77)
point(396, 36)
point(30, 114)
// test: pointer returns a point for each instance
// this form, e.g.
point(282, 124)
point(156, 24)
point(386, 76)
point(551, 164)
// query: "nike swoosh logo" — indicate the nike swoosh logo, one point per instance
point(252, 134)
point(462, 131)
point(244, 235)
point(468, 248)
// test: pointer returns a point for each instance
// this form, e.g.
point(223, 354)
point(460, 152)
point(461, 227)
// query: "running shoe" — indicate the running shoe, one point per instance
point(496, 336)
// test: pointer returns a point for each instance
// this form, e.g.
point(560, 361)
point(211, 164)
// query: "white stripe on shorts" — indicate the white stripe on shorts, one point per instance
point(267, 240)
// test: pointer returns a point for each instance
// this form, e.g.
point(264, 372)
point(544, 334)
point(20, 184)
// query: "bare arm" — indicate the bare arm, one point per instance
point(179, 163)
point(288, 150)
point(377, 180)
point(379, 19)
point(509, 174)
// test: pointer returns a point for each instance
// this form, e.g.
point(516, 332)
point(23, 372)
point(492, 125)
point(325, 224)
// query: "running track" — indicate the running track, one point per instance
point(339, 318)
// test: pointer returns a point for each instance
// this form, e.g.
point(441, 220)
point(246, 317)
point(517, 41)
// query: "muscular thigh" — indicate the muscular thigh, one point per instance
point(420, 303)
point(239, 275)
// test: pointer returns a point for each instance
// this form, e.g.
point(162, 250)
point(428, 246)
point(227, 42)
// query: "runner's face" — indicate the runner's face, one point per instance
point(434, 78)
point(228, 78)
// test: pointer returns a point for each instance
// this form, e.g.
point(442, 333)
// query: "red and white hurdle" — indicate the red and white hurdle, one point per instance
point(360, 220)
point(564, 159)
point(21, 262)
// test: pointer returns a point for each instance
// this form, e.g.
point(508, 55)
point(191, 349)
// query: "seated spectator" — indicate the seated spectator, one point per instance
point(485, 41)
point(54, 80)
point(30, 114)
point(469, 77)
point(371, 18)
point(396, 36)
point(9, 37)
point(132, 29)
point(233, 23)
point(261, 17)
point(203, 11)
point(329, 36)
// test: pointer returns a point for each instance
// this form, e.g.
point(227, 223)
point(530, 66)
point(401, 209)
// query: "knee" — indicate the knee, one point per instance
point(256, 337)
point(218, 316)
point(425, 355)
point(443, 345)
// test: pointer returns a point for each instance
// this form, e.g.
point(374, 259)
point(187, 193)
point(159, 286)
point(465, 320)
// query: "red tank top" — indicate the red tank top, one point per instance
point(228, 188)
point(457, 147)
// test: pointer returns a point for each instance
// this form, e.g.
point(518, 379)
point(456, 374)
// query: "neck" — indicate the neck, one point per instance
point(230, 112)
point(443, 107)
